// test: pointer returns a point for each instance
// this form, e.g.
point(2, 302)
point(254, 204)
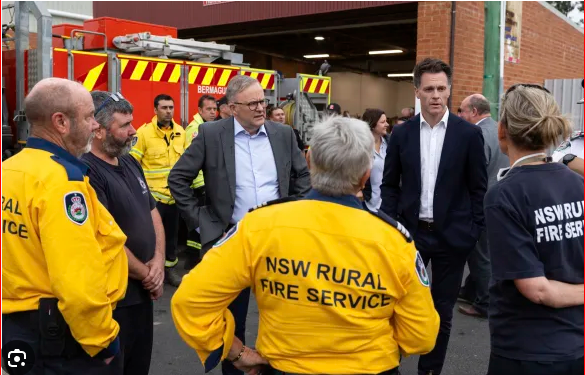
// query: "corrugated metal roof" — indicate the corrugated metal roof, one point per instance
point(568, 92)
point(194, 14)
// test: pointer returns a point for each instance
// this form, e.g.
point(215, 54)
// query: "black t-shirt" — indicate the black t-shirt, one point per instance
point(123, 191)
point(535, 228)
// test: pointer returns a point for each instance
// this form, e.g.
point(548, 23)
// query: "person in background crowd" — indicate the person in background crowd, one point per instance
point(120, 186)
point(475, 109)
point(407, 113)
point(276, 114)
point(346, 114)
point(223, 108)
point(324, 308)
point(64, 268)
point(333, 109)
point(535, 233)
point(157, 147)
point(206, 111)
point(434, 183)
point(401, 120)
point(376, 120)
point(247, 161)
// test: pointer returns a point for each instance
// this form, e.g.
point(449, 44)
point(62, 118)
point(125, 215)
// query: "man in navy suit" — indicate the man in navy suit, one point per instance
point(434, 182)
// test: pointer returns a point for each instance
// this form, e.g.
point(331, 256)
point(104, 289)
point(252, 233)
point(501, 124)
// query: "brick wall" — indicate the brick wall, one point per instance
point(550, 48)
point(469, 51)
point(433, 30)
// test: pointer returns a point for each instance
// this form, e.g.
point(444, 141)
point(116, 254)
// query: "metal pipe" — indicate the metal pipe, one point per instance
point(502, 49)
point(491, 68)
point(93, 33)
point(73, 16)
point(452, 47)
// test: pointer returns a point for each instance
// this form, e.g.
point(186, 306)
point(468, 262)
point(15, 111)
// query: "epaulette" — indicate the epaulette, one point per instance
point(73, 171)
point(272, 202)
point(576, 135)
point(394, 224)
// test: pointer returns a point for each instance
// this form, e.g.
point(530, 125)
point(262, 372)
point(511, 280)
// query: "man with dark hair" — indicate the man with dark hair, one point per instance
point(434, 182)
point(224, 108)
point(157, 147)
point(120, 185)
point(475, 109)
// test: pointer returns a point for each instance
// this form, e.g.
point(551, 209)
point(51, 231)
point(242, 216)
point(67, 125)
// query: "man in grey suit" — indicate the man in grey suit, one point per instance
point(476, 110)
point(246, 161)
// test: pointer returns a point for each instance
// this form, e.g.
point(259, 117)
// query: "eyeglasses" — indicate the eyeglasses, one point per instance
point(254, 105)
point(115, 97)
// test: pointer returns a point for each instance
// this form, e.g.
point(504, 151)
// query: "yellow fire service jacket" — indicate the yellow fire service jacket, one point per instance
point(191, 132)
point(339, 291)
point(157, 151)
point(60, 242)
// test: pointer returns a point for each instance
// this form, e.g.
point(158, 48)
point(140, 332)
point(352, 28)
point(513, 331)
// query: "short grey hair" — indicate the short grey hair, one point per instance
point(105, 115)
point(238, 84)
point(480, 103)
point(341, 153)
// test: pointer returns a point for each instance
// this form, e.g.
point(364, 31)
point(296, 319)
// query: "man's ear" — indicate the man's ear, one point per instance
point(61, 122)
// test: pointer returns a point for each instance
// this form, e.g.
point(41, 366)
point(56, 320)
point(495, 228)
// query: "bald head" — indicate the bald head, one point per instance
point(474, 108)
point(407, 112)
point(61, 112)
point(51, 96)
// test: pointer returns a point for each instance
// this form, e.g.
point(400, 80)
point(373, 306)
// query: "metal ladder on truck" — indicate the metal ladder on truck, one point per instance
point(187, 49)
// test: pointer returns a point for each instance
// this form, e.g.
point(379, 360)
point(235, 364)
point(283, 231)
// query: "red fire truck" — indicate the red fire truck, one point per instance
point(140, 60)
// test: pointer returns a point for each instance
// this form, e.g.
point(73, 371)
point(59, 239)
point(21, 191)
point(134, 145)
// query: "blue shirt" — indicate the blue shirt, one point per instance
point(256, 176)
point(376, 177)
point(534, 220)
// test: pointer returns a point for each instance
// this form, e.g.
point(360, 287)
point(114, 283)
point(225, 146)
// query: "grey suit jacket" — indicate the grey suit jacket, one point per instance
point(212, 152)
point(495, 158)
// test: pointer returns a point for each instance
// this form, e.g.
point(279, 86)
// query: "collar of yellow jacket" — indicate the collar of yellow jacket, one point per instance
point(159, 132)
point(198, 119)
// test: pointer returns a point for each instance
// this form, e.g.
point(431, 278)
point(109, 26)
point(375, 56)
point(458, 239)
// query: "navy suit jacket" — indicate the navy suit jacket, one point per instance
point(460, 187)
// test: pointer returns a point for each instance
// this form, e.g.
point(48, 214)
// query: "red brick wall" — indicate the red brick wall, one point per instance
point(433, 30)
point(469, 53)
point(550, 48)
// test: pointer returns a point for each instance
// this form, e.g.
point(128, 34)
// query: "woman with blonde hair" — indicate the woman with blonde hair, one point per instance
point(534, 218)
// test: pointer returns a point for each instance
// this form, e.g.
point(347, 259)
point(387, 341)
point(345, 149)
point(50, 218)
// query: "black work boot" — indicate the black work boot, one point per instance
point(172, 277)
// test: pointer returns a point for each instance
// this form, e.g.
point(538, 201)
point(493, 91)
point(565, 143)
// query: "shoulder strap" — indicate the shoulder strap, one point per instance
point(273, 202)
point(381, 215)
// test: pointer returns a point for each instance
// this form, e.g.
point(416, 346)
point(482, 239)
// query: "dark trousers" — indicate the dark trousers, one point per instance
point(505, 366)
point(447, 272)
point(170, 219)
point(21, 327)
point(476, 287)
point(136, 325)
point(239, 309)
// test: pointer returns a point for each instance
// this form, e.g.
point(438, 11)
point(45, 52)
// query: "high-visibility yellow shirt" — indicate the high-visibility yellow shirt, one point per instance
point(191, 132)
point(339, 290)
point(60, 242)
point(157, 152)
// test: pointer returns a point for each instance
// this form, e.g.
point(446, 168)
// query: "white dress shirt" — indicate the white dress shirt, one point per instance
point(431, 148)
point(256, 175)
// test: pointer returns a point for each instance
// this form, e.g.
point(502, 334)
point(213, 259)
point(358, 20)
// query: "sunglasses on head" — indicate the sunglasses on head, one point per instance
point(529, 85)
point(115, 97)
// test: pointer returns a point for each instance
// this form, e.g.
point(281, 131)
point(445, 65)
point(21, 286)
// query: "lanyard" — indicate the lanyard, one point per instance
point(541, 156)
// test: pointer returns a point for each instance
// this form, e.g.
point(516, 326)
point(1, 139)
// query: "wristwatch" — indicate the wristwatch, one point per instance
point(568, 158)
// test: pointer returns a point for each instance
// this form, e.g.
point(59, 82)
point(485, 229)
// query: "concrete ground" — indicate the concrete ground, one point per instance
point(468, 349)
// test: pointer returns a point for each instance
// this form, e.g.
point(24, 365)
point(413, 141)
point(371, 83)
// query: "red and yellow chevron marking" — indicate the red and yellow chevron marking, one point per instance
point(266, 79)
point(143, 70)
point(210, 76)
point(95, 77)
point(315, 85)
